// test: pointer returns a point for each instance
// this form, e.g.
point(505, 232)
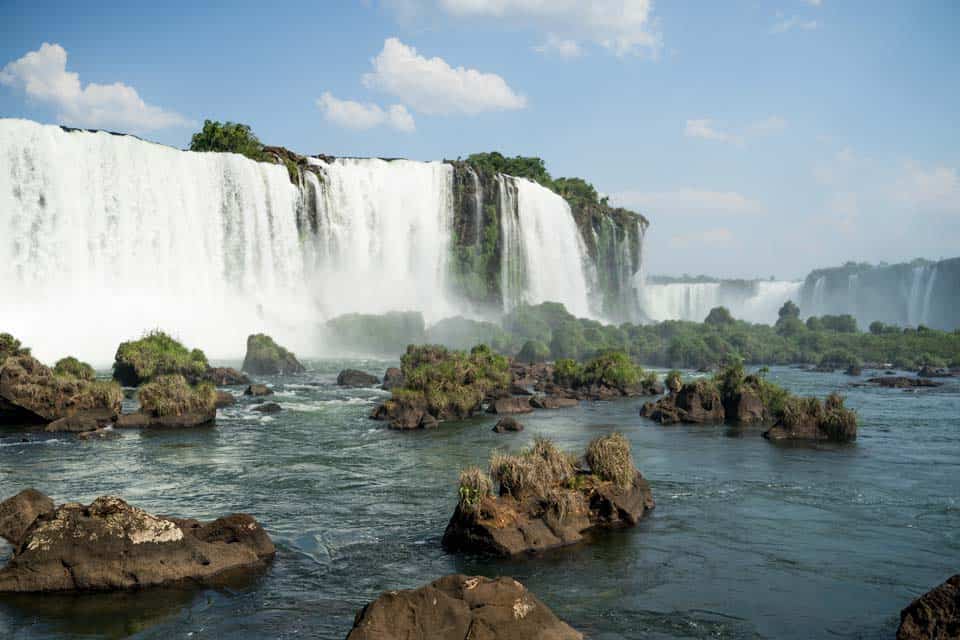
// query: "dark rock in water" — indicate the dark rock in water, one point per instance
point(854, 370)
point(903, 382)
point(823, 368)
point(225, 377)
point(99, 434)
point(266, 357)
point(31, 394)
point(553, 402)
point(19, 512)
point(111, 545)
point(355, 378)
point(258, 390)
point(744, 407)
point(697, 402)
point(141, 420)
point(520, 390)
point(73, 424)
point(934, 372)
point(507, 424)
point(428, 422)
point(225, 399)
point(393, 377)
point(171, 402)
point(810, 419)
point(933, 616)
point(457, 607)
point(505, 406)
point(268, 407)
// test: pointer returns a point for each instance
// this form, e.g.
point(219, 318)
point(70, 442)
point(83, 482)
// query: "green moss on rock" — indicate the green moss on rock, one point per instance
point(73, 368)
point(156, 354)
point(266, 357)
point(172, 395)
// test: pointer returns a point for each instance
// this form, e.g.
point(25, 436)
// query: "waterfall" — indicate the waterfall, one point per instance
point(477, 207)
point(512, 260)
point(819, 296)
point(551, 248)
point(756, 301)
point(920, 292)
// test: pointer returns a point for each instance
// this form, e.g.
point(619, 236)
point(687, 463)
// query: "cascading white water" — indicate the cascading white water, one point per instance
point(693, 300)
point(550, 247)
point(384, 232)
point(105, 237)
point(920, 292)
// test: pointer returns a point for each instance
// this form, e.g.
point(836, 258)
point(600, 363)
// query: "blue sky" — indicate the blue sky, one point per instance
point(760, 138)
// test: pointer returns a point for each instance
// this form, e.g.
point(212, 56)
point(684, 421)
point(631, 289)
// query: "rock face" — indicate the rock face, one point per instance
point(458, 607)
point(225, 377)
point(19, 512)
point(697, 403)
point(744, 407)
point(392, 378)
point(111, 545)
point(258, 390)
point(507, 424)
point(933, 616)
point(225, 399)
point(356, 378)
point(903, 382)
point(511, 405)
point(266, 357)
point(31, 394)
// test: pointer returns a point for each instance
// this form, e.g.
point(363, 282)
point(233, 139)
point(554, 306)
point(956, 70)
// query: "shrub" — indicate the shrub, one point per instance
point(10, 346)
point(533, 351)
point(610, 459)
point(475, 485)
point(838, 421)
point(231, 137)
point(171, 395)
point(154, 355)
point(73, 368)
point(613, 369)
point(673, 380)
point(719, 316)
point(567, 372)
point(451, 382)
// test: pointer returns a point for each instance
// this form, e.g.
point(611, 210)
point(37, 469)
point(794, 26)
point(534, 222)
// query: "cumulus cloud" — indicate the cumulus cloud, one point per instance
point(623, 27)
point(364, 115)
point(43, 77)
point(704, 128)
point(432, 86)
point(557, 46)
point(794, 22)
point(936, 189)
point(688, 201)
point(720, 237)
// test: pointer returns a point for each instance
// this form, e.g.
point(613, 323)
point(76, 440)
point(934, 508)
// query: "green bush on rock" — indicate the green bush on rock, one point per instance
point(10, 346)
point(172, 395)
point(610, 459)
point(156, 354)
point(230, 137)
point(71, 367)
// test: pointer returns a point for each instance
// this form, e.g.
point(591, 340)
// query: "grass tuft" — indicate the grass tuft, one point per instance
point(475, 485)
point(610, 459)
point(171, 395)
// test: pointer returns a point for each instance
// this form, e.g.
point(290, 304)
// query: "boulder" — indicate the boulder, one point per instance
point(225, 377)
point(225, 399)
point(268, 407)
point(142, 420)
point(553, 402)
point(393, 377)
point(511, 405)
point(507, 424)
point(933, 616)
point(157, 354)
point(356, 378)
point(810, 419)
point(73, 424)
point(30, 393)
point(169, 401)
point(697, 403)
point(266, 357)
point(458, 607)
point(903, 382)
point(744, 407)
point(111, 545)
point(519, 390)
point(258, 390)
point(19, 512)
point(934, 372)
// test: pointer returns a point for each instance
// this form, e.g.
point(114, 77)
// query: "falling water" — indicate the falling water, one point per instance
point(477, 207)
point(693, 300)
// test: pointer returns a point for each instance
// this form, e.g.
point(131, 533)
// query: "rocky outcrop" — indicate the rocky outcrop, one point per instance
point(458, 607)
point(225, 377)
point(553, 402)
point(75, 424)
point(507, 424)
point(392, 378)
point(171, 402)
point(356, 378)
point(545, 501)
point(810, 419)
point(266, 357)
point(933, 616)
point(157, 354)
point(258, 390)
point(510, 405)
point(19, 512)
point(268, 407)
point(111, 545)
point(903, 382)
point(744, 406)
point(697, 403)
point(30, 393)
point(224, 399)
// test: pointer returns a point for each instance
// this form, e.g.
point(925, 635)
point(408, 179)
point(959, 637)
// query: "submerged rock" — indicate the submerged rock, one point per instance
point(458, 607)
point(73, 424)
point(224, 399)
point(356, 378)
point(266, 357)
point(258, 390)
point(111, 545)
point(933, 616)
point(507, 424)
point(19, 512)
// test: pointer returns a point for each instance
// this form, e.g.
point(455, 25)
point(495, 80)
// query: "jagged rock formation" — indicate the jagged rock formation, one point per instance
point(458, 607)
point(266, 357)
point(933, 616)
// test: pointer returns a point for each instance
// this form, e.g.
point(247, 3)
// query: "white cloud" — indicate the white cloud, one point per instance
point(557, 46)
point(720, 237)
point(43, 77)
point(773, 124)
point(432, 86)
point(364, 115)
point(623, 27)
point(794, 22)
point(936, 189)
point(704, 128)
point(688, 201)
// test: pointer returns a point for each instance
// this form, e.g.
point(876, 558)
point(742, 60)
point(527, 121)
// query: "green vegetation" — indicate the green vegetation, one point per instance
point(229, 137)
point(673, 380)
point(475, 485)
point(533, 351)
point(610, 368)
point(532, 472)
point(10, 346)
point(73, 368)
point(382, 334)
point(171, 395)
point(153, 355)
point(610, 459)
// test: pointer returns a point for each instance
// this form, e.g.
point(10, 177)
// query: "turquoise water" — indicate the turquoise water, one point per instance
point(748, 540)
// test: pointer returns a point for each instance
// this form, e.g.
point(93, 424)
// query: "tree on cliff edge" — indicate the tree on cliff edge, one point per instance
point(230, 137)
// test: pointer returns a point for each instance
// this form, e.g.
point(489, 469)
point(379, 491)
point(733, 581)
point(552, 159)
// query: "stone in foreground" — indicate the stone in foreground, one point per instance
point(19, 512)
point(111, 545)
point(458, 607)
point(933, 616)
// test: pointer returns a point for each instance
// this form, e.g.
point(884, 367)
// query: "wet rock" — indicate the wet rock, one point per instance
point(934, 372)
point(697, 403)
point(408, 414)
point(458, 607)
point(107, 433)
point(520, 390)
point(268, 407)
point(392, 378)
point(142, 420)
point(854, 370)
point(73, 424)
point(111, 545)
point(258, 390)
point(169, 401)
point(511, 405)
point(553, 402)
point(903, 382)
point(427, 421)
point(225, 399)
point(356, 378)
point(266, 357)
point(19, 512)
point(507, 424)
point(744, 407)
point(225, 377)
point(933, 616)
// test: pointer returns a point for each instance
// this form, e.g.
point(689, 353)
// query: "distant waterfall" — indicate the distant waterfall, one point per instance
point(754, 301)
